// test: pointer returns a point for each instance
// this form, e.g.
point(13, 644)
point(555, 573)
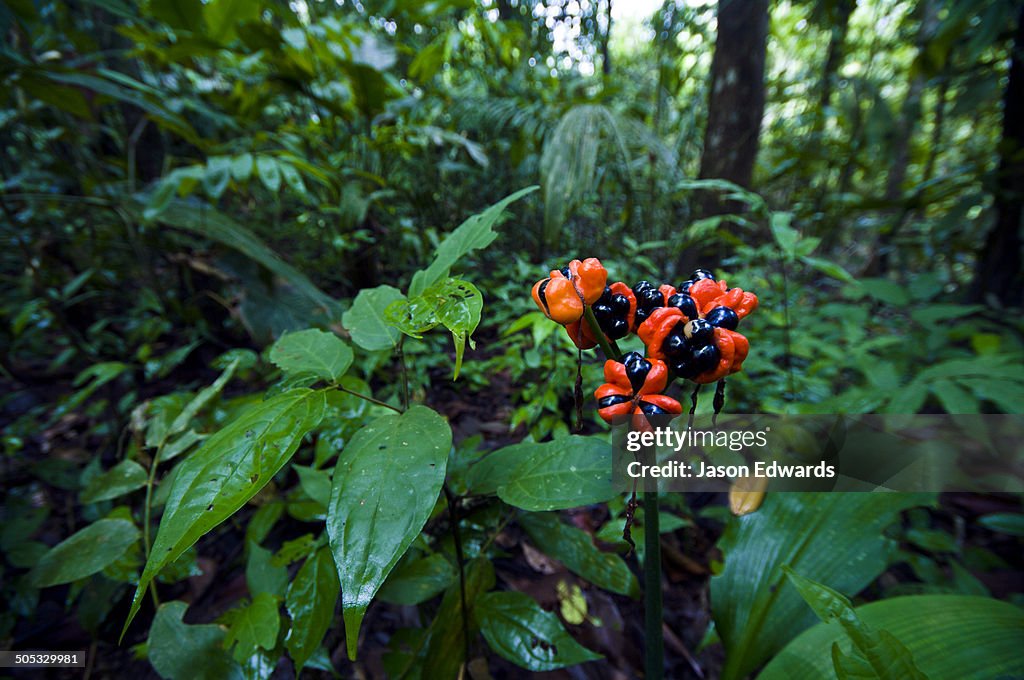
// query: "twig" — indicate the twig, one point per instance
point(370, 399)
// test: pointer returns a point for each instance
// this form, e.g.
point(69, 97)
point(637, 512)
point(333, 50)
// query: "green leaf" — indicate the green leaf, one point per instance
point(576, 550)
point(262, 575)
point(222, 16)
point(315, 483)
point(564, 473)
point(446, 647)
point(228, 470)
point(182, 14)
point(419, 580)
point(310, 603)
point(886, 656)
point(253, 627)
point(210, 223)
point(495, 469)
point(829, 268)
point(179, 651)
point(1011, 523)
point(949, 636)
point(460, 314)
point(385, 486)
point(365, 320)
point(125, 477)
point(193, 407)
point(517, 629)
point(324, 355)
point(269, 172)
point(85, 552)
point(476, 232)
point(241, 166)
point(834, 536)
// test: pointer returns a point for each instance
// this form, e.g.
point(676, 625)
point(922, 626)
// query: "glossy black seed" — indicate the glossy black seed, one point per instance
point(675, 346)
point(652, 409)
point(566, 272)
point(684, 287)
point(699, 274)
point(684, 368)
point(685, 304)
point(723, 317)
point(602, 309)
point(699, 332)
point(705, 358)
point(630, 357)
point(637, 371)
point(612, 400)
point(619, 303)
point(617, 328)
point(641, 287)
point(540, 293)
point(649, 299)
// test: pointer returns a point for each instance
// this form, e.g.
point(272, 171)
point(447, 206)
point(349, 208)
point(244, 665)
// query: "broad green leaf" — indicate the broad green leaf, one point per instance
point(385, 485)
point(312, 351)
point(228, 470)
point(125, 477)
point(365, 320)
point(446, 647)
point(576, 550)
point(262, 574)
point(495, 469)
point(85, 552)
point(828, 536)
point(950, 637)
point(253, 627)
point(295, 549)
point(832, 269)
point(210, 223)
point(460, 314)
point(517, 629)
point(311, 599)
point(1011, 523)
point(418, 580)
point(222, 16)
point(179, 651)
point(564, 473)
point(181, 14)
point(476, 232)
point(182, 420)
point(455, 304)
point(269, 172)
point(887, 658)
point(241, 167)
point(315, 483)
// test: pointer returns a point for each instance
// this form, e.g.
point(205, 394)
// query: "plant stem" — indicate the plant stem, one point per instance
point(146, 518)
point(610, 349)
point(453, 517)
point(378, 402)
point(654, 645)
point(405, 373)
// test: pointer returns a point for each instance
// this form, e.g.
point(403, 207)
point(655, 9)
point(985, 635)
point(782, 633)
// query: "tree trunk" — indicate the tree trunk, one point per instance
point(998, 273)
point(606, 60)
point(736, 100)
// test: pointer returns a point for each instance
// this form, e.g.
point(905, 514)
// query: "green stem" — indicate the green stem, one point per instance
point(147, 512)
point(654, 644)
point(378, 402)
point(610, 349)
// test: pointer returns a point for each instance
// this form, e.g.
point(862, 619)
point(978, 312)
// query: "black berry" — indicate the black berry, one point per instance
point(705, 358)
point(651, 409)
point(612, 400)
point(699, 332)
point(637, 369)
point(723, 317)
point(685, 304)
point(675, 346)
